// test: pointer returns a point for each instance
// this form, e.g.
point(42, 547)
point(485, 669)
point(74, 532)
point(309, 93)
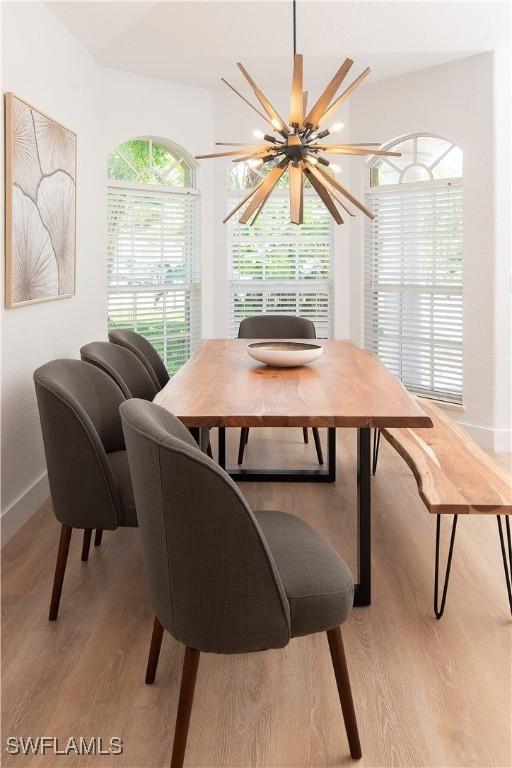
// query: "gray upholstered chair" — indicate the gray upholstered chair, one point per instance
point(144, 350)
point(130, 374)
point(277, 327)
point(127, 370)
point(85, 454)
point(222, 578)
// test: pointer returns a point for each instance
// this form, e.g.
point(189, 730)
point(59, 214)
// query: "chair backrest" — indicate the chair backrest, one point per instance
point(144, 350)
point(79, 412)
point(212, 578)
point(276, 327)
point(127, 370)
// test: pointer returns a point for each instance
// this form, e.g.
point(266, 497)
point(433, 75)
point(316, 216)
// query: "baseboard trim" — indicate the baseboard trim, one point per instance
point(498, 440)
point(24, 507)
point(503, 440)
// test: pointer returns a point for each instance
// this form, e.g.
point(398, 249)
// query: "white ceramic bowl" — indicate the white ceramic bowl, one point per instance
point(284, 354)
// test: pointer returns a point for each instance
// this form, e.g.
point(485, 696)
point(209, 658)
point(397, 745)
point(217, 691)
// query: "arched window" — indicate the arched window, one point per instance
point(151, 161)
point(153, 246)
point(413, 265)
point(423, 158)
point(276, 266)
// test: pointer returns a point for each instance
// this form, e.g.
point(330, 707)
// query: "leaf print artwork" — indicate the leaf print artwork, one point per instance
point(40, 206)
point(56, 146)
point(35, 273)
point(27, 169)
point(56, 203)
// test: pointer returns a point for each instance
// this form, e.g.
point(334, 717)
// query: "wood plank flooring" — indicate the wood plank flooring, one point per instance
point(427, 693)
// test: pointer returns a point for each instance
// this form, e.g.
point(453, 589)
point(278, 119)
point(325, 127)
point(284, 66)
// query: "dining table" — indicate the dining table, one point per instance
point(346, 387)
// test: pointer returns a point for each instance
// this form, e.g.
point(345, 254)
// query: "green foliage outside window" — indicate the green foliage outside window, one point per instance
point(145, 161)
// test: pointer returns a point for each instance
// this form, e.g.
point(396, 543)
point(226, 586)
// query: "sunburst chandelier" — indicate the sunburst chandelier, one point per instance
point(295, 146)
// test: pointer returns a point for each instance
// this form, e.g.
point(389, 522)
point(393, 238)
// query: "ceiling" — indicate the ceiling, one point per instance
point(195, 43)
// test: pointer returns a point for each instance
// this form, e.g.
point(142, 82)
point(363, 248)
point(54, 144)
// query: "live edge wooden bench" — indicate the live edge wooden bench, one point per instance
point(455, 477)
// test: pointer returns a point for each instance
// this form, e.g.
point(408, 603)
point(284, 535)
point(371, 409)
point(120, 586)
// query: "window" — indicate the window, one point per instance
point(153, 247)
point(275, 266)
point(413, 265)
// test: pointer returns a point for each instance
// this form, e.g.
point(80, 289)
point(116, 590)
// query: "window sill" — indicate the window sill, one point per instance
point(460, 407)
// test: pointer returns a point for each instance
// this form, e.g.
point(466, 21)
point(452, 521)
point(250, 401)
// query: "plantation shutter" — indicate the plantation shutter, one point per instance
point(153, 268)
point(281, 268)
point(413, 285)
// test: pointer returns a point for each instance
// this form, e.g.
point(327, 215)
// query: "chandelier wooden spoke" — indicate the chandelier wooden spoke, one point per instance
point(295, 146)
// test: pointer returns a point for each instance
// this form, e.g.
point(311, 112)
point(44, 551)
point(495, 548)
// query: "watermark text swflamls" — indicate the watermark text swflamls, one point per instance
point(80, 745)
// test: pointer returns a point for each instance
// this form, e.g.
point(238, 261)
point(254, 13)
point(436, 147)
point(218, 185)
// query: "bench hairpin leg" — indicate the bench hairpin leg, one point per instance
point(376, 443)
point(506, 566)
point(439, 611)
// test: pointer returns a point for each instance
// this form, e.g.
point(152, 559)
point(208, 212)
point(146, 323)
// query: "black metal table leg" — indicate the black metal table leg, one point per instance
point(283, 475)
point(506, 566)
point(363, 590)
point(222, 447)
point(440, 610)
point(331, 454)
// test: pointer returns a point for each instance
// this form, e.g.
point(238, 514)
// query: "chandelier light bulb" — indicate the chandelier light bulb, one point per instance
point(313, 160)
point(335, 168)
point(336, 127)
point(258, 134)
point(277, 125)
point(255, 163)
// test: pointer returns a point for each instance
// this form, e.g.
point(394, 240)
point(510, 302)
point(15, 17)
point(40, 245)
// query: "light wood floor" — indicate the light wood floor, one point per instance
point(427, 693)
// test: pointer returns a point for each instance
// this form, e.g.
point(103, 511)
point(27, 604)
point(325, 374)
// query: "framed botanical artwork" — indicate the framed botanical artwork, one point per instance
point(40, 206)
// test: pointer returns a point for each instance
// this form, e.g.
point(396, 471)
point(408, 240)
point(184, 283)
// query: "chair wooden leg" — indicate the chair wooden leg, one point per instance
point(244, 437)
point(86, 544)
point(339, 663)
point(154, 651)
point(60, 569)
point(305, 435)
point(318, 445)
point(188, 684)
point(98, 537)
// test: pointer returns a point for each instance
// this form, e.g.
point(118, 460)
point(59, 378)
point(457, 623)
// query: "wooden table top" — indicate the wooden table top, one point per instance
point(221, 386)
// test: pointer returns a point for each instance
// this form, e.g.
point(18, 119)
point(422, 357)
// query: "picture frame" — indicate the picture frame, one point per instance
point(40, 206)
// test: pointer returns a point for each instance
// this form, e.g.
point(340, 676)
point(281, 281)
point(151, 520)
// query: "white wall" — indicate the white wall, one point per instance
point(503, 250)
point(459, 102)
point(44, 64)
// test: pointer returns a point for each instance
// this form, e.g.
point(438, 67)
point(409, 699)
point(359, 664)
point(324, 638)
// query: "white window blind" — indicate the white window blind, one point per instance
point(413, 284)
point(279, 267)
point(153, 267)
